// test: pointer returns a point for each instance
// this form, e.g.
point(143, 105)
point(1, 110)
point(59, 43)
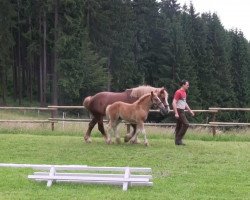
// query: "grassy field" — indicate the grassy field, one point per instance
point(206, 168)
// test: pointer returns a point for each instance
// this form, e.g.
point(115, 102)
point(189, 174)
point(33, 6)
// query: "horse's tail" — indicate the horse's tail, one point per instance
point(86, 102)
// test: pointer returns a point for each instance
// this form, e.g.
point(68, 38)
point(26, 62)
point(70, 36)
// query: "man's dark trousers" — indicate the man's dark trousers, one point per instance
point(182, 125)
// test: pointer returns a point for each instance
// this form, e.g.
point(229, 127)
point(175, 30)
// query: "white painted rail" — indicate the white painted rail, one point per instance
point(123, 176)
point(44, 167)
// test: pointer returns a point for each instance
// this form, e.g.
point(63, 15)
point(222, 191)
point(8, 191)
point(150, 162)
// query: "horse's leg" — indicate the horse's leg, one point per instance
point(131, 134)
point(109, 128)
point(117, 134)
point(134, 140)
point(113, 125)
point(92, 123)
point(137, 141)
point(102, 130)
point(145, 136)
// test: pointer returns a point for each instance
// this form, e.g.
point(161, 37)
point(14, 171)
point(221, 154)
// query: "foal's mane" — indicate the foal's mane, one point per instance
point(143, 89)
point(143, 97)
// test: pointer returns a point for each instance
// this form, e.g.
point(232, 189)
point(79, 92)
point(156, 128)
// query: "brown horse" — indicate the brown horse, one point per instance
point(97, 104)
point(135, 113)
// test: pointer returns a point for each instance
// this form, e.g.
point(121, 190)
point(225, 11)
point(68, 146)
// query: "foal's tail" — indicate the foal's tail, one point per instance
point(86, 102)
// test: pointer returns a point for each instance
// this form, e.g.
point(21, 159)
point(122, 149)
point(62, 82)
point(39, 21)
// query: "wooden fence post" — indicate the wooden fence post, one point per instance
point(214, 127)
point(52, 121)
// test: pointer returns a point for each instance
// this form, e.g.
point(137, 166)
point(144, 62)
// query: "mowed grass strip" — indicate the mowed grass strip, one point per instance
point(199, 170)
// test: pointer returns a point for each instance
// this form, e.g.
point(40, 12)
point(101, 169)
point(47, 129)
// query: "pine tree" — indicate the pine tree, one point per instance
point(193, 31)
point(7, 14)
point(170, 37)
point(124, 71)
point(176, 63)
point(216, 72)
point(146, 13)
point(240, 67)
point(80, 69)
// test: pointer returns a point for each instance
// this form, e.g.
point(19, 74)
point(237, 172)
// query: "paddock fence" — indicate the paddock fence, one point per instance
point(213, 124)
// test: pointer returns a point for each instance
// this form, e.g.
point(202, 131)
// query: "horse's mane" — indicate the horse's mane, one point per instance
point(143, 97)
point(143, 89)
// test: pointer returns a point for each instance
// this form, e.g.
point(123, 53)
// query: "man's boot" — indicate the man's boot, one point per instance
point(181, 134)
point(178, 138)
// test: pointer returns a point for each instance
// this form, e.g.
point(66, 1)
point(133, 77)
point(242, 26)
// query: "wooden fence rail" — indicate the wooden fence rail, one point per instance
point(213, 111)
point(215, 124)
point(230, 109)
point(25, 108)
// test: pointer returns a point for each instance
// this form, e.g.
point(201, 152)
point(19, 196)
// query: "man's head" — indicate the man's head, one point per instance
point(184, 84)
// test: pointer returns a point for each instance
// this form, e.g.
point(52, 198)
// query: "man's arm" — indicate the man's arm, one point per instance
point(189, 110)
point(175, 108)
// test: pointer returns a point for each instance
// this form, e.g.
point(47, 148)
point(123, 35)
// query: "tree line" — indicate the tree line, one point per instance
point(60, 51)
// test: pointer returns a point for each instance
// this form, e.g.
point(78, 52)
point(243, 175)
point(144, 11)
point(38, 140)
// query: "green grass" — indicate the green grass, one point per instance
point(24, 114)
point(206, 168)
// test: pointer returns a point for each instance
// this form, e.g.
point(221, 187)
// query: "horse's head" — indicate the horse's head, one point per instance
point(157, 102)
point(163, 96)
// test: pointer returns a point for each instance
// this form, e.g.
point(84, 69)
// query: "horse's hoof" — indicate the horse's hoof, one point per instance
point(108, 141)
point(146, 144)
point(127, 138)
point(118, 140)
point(132, 141)
point(87, 139)
point(137, 141)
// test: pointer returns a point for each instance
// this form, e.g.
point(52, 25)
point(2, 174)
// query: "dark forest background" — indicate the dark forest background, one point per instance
point(60, 51)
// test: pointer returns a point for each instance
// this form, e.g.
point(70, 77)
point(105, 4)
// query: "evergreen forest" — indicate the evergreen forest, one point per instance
point(56, 52)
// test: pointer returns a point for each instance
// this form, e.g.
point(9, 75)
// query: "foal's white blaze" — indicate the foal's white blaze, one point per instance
point(166, 99)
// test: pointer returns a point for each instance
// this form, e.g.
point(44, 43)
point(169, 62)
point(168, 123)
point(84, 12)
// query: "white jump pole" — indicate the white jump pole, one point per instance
point(45, 167)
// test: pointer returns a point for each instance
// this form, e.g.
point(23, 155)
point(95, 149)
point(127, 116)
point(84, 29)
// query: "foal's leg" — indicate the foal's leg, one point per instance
point(92, 123)
point(141, 128)
point(113, 123)
point(137, 141)
point(117, 134)
point(145, 136)
point(134, 140)
point(131, 134)
point(109, 140)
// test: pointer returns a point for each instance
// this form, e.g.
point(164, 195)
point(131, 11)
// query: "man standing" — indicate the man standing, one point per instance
point(179, 106)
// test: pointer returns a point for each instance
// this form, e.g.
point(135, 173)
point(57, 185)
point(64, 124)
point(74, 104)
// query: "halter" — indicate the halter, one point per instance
point(158, 103)
point(166, 101)
point(163, 106)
